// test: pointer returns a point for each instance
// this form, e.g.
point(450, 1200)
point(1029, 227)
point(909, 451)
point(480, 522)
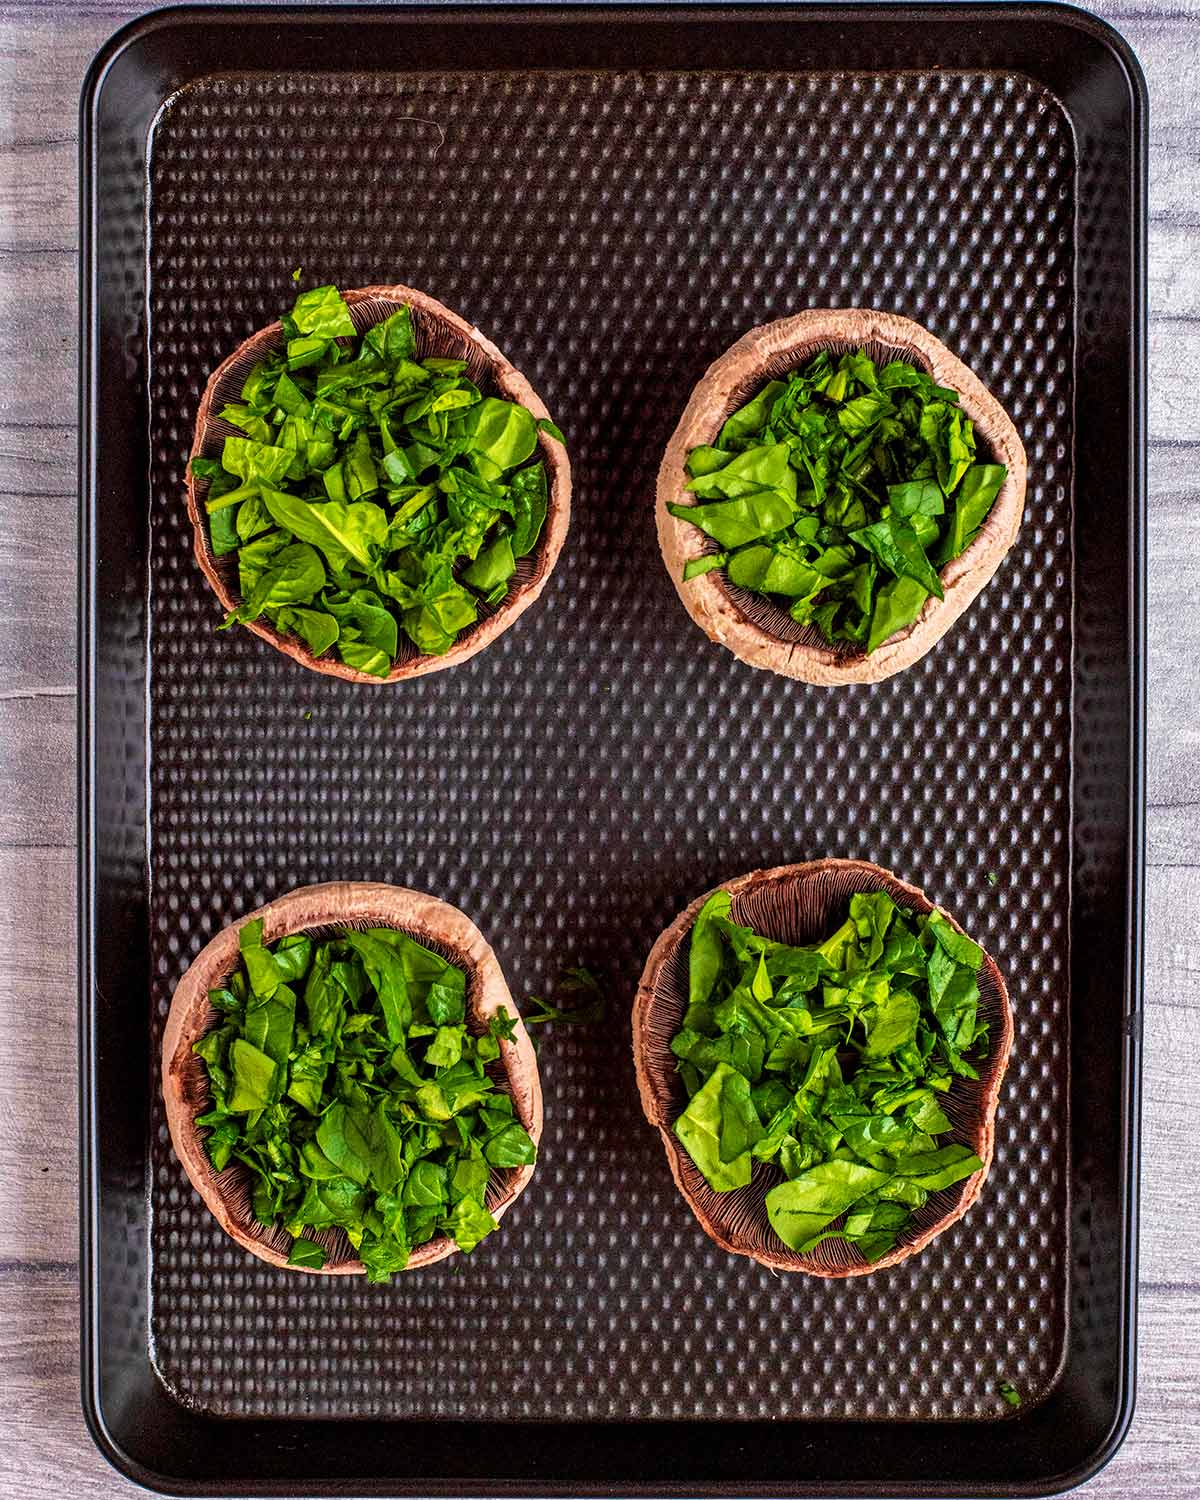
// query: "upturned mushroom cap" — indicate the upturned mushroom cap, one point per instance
point(802, 904)
point(321, 910)
point(439, 333)
point(754, 628)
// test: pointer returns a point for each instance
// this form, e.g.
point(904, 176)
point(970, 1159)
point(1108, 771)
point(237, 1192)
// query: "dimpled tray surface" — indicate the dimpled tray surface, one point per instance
point(602, 762)
point(571, 788)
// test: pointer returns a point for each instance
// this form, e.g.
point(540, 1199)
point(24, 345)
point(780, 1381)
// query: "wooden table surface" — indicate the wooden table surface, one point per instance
point(44, 1450)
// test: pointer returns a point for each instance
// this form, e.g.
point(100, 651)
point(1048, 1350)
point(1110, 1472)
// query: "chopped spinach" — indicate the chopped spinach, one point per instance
point(584, 1001)
point(307, 1253)
point(840, 493)
point(373, 492)
point(830, 1061)
point(1009, 1392)
point(344, 1077)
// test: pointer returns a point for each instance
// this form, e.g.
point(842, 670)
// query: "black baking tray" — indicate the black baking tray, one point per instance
point(614, 195)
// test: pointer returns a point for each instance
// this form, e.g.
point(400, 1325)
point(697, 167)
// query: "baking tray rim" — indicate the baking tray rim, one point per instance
point(1051, 12)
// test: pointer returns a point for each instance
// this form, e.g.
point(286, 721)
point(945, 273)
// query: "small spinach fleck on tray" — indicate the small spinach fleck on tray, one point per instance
point(345, 1077)
point(373, 491)
point(841, 492)
point(830, 1061)
point(583, 996)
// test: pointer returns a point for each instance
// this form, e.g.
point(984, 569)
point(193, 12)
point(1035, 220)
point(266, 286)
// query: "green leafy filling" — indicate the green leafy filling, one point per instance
point(373, 492)
point(840, 493)
point(830, 1061)
point(344, 1076)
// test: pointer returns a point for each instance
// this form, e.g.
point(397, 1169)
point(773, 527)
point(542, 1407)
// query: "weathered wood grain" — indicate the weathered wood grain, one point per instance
point(39, 503)
point(46, 1451)
point(38, 1074)
point(1171, 1196)
point(1173, 274)
point(1173, 632)
point(38, 463)
point(37, 809)
point(38, 105)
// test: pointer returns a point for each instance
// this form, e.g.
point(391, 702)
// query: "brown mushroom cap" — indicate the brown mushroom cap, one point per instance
point(321, 910)
point(802, 904)
point(439, 333)
point(754, 628)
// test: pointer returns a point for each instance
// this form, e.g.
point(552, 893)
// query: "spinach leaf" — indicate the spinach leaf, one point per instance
point(893, 1024)
point(306, 1253)
point(839, 493)
point(702, 1130)
point(530, 499)
point(468, 1222)
point(509, 1146)
point(491, 570)
point(223, 532)
point(733, 523)
point(895, 544)
point(317, 628)
point(897, 604)
point(940, 1169)
point(503, 432)
point(254, 462)
point(373, 491)
point(366, 1106)
point(321, 311)
point(269, 1026)
point(707, 947)
point(585, 1001)
point(864, 412)
point(446, 1001)
point(709, 563)
point(750, 420)
point(392, 341)
point(367, 633)
point(342, 1136)
point(385, 970)
point(827, 1062)
point(264, 973)
point(446, 1048)
point(765, 468)
point(345, 531)
point(294, 575)
point(803, 1206)
point(775, 569)
point(961, 949)
point(253, 1078)
point(917, 497)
